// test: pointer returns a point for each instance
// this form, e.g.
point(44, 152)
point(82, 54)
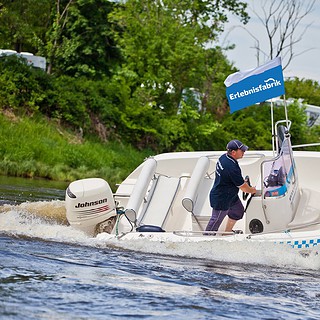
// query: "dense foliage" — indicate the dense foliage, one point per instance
point(307, 90)
point(146, 73)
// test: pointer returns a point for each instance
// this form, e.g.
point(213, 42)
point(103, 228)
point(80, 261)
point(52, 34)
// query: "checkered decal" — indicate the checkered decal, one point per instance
point(301, 244)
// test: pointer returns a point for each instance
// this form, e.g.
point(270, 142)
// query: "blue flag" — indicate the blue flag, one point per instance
point(256, 85)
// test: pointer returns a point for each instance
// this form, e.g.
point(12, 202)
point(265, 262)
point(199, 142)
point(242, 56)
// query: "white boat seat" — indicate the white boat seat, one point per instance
point(140, 188)
point(202, 207)
point(159, 201)
point(196, 198)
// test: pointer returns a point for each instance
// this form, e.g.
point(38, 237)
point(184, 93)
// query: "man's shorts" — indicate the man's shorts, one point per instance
point(235, 212)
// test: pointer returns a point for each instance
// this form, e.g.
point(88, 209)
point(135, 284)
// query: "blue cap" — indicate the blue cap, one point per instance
point(236, 144)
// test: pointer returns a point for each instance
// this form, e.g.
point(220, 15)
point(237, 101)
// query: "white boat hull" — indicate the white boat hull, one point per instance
point(170, 193)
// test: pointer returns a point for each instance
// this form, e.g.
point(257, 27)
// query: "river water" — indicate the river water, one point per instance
point(50, 271)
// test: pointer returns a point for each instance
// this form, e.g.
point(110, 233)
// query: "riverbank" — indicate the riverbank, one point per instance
point(35, 147)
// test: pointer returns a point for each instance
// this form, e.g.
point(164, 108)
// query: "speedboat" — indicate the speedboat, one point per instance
point(166, 199)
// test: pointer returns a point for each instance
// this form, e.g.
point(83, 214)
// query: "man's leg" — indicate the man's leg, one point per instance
point(235, 213)
point(230, 224)
point(216, 219)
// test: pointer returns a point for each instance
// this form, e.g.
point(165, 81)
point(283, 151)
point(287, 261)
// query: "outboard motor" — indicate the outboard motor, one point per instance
point(90, 203)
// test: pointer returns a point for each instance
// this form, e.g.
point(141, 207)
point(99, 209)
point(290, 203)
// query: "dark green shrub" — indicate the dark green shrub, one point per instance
point(22, 86)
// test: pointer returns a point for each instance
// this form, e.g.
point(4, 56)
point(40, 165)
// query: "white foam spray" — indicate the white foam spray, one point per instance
point(46, 220)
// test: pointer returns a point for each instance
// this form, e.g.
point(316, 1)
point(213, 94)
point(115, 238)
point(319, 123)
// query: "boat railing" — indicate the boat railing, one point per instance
point(186, 233)
point(246, 155)
point(306, 145)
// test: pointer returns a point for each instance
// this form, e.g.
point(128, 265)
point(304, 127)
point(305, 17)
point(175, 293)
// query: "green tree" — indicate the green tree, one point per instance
point(59, 17)
point(165, 44)
point(79, 41)
point(167, 47)
point(23, 24)
point(252, 125)
point(305, 89)
point(23, 88)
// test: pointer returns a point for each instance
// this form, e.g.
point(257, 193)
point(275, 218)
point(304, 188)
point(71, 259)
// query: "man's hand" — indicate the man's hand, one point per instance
point(247, 189)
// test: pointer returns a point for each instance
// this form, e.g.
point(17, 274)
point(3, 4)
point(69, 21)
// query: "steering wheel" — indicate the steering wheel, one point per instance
point(244, 194)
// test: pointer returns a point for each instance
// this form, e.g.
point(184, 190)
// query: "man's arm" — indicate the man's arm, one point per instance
point(247, 189)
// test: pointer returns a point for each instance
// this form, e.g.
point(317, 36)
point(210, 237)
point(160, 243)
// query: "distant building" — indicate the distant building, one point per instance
point(36, 61)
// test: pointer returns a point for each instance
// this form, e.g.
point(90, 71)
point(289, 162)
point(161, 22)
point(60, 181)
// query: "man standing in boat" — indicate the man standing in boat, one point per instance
point(224, 198)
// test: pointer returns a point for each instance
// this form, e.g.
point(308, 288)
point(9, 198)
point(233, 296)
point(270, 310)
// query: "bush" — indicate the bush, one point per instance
point(22, 87)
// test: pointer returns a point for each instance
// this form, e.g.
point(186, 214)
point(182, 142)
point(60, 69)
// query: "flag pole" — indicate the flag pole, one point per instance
point(272, 127)
point(286, 110)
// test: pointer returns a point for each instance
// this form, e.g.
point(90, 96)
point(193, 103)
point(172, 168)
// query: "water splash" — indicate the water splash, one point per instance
point(44, 219)
point(47, 220)
point(246, 251)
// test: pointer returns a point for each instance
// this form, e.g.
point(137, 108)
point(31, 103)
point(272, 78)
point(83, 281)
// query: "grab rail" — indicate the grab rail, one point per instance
point(306, 145)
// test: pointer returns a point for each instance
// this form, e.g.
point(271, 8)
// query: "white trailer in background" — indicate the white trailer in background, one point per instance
point(36, 61)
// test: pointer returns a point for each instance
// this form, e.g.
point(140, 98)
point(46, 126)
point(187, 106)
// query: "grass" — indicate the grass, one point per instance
point(38, 148)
